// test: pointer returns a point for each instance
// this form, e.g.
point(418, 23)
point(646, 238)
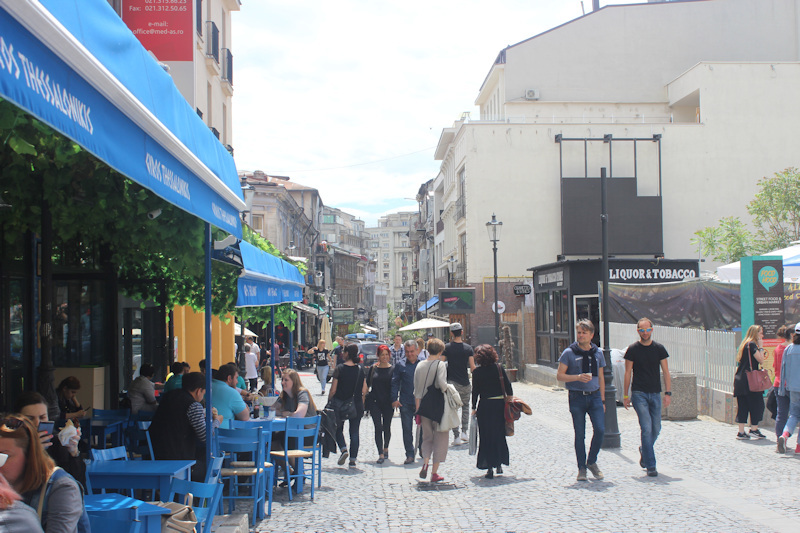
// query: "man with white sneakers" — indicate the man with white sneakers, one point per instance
point(460, 356)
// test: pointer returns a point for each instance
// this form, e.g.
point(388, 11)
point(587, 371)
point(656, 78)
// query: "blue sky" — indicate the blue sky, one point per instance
point(351, 96)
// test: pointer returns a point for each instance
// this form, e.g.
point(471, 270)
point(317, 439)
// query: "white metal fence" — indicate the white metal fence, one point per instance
point(709, 355)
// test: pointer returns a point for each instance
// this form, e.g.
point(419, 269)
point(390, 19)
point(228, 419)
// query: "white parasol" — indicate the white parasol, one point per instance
point(426, 323)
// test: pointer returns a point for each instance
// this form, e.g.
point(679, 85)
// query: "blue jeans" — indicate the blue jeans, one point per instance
point(579, 406)
point(794, 412)
point(648, 408)
point(407, 423)
point(322, 375)
point(783, 413)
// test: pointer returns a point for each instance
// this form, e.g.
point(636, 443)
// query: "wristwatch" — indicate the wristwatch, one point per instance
point(668, 393)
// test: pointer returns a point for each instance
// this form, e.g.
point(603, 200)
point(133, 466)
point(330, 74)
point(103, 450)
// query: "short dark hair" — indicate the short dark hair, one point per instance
point(203, 365)
point(485, 355)
point(147, 370)
point(176, 367)
point(71, 383)
point(352, 352)
point(193, 381)
point(187, 365)
point(28, 398)
point(796, 338)
point(228, 369)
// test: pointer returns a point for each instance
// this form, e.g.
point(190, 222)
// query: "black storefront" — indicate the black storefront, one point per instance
point(568, 291)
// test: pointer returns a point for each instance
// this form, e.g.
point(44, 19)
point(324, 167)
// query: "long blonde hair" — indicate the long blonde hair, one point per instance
point(321, 344)
point(752, 336)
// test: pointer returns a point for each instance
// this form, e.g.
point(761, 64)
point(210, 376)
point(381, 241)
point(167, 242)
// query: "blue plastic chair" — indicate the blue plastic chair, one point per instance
point(235, 442)
point(118, 520)
point(110, 454)
point(295, 435)
point(205, 500)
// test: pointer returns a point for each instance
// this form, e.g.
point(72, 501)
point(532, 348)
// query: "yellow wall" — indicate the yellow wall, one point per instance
point(189, 329)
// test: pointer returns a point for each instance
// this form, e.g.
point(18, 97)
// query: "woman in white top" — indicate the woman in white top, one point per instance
point(432, 371)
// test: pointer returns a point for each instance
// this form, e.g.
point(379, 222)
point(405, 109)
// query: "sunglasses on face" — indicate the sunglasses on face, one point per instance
point(12, 423)
point(643, 330)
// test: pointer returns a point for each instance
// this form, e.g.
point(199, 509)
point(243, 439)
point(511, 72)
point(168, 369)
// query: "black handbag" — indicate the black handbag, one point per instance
point(431, 406)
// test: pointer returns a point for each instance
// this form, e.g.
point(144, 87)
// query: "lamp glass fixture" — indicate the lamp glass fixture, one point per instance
point(494, 227)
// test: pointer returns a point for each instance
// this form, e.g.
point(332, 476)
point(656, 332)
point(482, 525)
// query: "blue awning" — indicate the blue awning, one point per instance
point(430, 303)
point(76, 66)
point(266, 279)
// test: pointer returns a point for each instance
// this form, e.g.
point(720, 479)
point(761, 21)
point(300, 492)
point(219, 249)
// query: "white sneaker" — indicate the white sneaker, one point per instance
point(456, 441)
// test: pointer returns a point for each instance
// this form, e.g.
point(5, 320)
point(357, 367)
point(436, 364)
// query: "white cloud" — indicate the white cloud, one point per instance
point(325, 85)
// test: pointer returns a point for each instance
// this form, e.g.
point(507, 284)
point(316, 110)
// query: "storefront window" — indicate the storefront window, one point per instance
point(78, 323)
point(561, 311)
point(543, 312)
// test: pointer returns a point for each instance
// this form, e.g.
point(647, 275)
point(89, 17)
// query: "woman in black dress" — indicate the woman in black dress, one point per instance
point(348, 382)
point(486, 384)
point(748, 357)
point(379, 383)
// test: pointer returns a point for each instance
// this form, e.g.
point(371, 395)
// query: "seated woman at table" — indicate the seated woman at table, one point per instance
point(33, 405)
point(68, 403)
point(31, 472)
point(179, 424)
point(295, 400)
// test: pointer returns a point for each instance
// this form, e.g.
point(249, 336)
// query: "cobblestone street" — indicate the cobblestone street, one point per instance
point(708, 481)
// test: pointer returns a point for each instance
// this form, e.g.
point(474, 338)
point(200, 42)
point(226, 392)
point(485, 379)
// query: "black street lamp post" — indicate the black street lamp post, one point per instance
point(494, 228)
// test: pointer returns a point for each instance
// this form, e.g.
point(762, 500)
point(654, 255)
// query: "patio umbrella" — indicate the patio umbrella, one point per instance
point(237, 330)
point(426, 323)
point(325, 331)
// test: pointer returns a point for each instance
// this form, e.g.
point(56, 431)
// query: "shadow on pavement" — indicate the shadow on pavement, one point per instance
point(499, 480)
point(661, 478)
point(592, 485)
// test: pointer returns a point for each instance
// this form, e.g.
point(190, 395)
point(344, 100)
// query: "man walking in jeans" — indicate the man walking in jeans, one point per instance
point(645, 360)
point(403, 396)
point(460, 356)
point(579, 367)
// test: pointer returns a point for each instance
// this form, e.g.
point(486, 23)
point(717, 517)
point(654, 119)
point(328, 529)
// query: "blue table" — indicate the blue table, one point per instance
point(153, 475)
point(104, 428)
point(149, 514)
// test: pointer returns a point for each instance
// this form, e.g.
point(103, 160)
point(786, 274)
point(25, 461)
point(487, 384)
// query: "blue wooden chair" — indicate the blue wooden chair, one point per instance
point(139, 440)
point(266, 427)
point(214, 470)
point(294, 450)
point(205, 500)
point(123, 415)
point(119, 520)
point(240, 474)
point(109, 454)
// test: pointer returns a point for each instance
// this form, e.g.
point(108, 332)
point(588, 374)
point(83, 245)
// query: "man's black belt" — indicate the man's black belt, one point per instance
point(585, 392)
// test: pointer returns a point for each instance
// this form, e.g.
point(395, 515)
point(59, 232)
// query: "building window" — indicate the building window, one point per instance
point(258, 222)
point(386, 256)
point(385, 245)
point(385, 275)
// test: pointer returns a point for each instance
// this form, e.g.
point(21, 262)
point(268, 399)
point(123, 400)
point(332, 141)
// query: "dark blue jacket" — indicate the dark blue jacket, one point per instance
point(403, 382)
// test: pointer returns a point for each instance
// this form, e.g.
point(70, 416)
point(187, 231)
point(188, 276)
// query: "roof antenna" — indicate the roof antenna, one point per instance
point(583, 8)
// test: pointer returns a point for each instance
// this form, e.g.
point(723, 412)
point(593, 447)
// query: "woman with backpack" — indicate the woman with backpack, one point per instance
point(50, 491)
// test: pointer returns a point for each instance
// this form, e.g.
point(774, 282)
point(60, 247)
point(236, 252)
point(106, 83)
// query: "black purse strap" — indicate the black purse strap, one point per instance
point(502, 381)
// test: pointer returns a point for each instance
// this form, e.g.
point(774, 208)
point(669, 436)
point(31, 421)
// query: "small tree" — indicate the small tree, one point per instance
point(776, 219)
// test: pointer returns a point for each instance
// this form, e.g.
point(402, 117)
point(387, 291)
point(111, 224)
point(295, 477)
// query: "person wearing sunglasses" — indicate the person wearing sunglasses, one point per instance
point(15, 515)
point(53, 493)
point(645, 360)
point(32, 405)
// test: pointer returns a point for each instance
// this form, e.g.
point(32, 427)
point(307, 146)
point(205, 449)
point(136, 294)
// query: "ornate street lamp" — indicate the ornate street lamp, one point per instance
point(494, 227)
point(451, 266)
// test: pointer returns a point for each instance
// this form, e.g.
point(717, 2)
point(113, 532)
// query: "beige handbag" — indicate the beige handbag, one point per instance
point(181, 518)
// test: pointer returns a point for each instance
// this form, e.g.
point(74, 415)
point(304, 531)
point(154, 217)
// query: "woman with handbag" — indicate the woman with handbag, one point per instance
point(379, 400)
point(491, 384)
point(430, 385)
point(750, 402)
point(346, 397)
point(790, 388)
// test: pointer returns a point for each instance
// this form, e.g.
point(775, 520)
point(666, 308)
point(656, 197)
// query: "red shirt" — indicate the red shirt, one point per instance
point(776, 363)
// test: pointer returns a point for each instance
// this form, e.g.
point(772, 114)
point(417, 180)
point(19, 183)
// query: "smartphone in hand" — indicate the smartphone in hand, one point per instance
point(46, 426)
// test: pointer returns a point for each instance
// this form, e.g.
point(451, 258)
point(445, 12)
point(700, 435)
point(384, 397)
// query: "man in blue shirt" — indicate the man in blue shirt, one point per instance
point(397, 350)
point(579, 368)
point(403, 396)
point(224, 396)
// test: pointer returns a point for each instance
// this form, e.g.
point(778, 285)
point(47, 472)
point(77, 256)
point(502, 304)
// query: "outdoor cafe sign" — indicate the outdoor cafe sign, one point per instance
point(762, 293)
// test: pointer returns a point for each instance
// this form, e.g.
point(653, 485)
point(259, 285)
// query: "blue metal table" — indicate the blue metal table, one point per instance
point(153, 475)
point(99, 504)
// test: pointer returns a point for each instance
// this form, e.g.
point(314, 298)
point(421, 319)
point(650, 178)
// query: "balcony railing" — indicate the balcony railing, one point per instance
point(212, 40)
point(461, 208)
point(227, 66)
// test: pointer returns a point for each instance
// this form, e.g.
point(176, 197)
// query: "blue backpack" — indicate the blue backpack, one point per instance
point(41, 507)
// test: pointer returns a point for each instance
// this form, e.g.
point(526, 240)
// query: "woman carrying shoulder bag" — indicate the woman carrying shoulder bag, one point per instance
point(348, 388)
point(749, 356)
point(486, 385)
point(379, 381)
point(432, 374)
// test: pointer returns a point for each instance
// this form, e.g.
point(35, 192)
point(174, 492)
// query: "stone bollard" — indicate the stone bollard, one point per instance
point(684, 397)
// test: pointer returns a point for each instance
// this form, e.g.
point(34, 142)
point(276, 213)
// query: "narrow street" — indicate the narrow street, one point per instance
point(705, 483)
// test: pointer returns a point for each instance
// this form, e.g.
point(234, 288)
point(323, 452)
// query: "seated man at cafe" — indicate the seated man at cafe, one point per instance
point(224, 396)
point(179, 424)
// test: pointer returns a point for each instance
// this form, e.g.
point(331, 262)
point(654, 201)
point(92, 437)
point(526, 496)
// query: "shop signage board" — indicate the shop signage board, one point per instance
point(162, 26)
point(457, 300)
point(521, 290)
point(762, 293)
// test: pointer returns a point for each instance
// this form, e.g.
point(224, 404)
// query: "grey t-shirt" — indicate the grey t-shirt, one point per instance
point(19, 517)
point(64, 505)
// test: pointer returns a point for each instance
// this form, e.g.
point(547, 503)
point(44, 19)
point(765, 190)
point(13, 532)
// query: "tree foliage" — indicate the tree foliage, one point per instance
point(99, 220)
point(775, 213)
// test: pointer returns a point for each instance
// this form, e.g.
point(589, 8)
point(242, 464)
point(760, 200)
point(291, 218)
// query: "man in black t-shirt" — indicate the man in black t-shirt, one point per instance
point(460, 356)
point(644, 361)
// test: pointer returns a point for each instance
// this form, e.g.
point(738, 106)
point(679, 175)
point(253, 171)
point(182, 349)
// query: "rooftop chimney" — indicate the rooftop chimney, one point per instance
point(595, 5)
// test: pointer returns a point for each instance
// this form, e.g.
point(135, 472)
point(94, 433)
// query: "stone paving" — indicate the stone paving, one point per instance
point(708, 481)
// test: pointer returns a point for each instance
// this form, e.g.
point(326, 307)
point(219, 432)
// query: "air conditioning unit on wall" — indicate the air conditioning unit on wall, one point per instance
point(531, 94)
